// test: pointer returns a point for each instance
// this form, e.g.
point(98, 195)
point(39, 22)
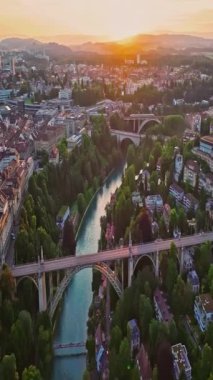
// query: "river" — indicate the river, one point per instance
point(72, 322)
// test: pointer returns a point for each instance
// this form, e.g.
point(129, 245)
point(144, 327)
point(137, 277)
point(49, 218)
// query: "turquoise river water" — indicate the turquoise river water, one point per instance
point(71, 324)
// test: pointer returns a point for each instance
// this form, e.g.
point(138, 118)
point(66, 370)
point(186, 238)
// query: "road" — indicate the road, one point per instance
point(104, 256)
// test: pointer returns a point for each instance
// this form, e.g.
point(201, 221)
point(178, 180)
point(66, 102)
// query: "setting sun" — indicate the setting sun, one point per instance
point(113, 18)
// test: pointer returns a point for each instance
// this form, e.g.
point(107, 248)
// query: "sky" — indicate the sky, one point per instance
point(115, 19)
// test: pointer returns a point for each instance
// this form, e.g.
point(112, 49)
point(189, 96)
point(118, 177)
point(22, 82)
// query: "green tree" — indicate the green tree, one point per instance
point(7, 284)
point(69, 243)
point(8, 368)
point(86, 375)
point(116, 337)
point(206, 363)
point(31, 373)
point(124, 360)
point(171, 275)
point(130, 155)
point(81, 203)
point(203, 258)
point(146, 314)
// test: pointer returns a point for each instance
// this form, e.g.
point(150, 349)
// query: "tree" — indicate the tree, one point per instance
point(171, 275)
point(209, 335)
point(164, 361)
point(182, 298)
point(135, 375)
point(146, 314)
point(69, 243)
point(124, 360)
point(81, 203)
point(210, 279)
point(86, 375)
point(206, 366)
point(31, 373)
point(116, 337)
point(203, 258)
point(130, 155)
point(7, 284)
point(145, 227)
point(130, 177)
point(8, 368)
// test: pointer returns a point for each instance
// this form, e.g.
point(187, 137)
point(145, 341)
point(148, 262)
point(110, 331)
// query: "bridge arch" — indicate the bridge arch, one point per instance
point(139, 259)
point(146, 123)
point(101, 267)
point(125, 142)
point(20, 279)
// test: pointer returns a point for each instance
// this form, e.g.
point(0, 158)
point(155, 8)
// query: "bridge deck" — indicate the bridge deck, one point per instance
point(111, 255)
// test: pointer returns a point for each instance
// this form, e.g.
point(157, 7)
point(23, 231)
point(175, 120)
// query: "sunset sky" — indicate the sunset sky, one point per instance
point(113, 18)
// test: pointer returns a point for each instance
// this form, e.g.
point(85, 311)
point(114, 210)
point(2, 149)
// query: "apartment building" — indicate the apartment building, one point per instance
point(181, 362)
point(191, 171)
point(203, 310)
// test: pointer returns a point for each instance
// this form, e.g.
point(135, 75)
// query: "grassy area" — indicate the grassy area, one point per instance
point(28, 101)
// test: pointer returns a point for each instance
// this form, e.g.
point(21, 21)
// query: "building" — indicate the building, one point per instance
point(73, 141)
point(162, 309)
point(209, 208)
point(159, 164)
point(62, 216)
point(206, 183)
point(193, 280)
point(204, 156)
point(154, 202)
point(134, 334)
point(191, 171)
point(187, 261)
point(136, 198)
point(166, 215)
point(194, 120)
point(176, 192)
point(48, 138)
point(181, 362)
point(143, 364)
point(54, 156)
point(206, 145)
point(5, 94)
point(190, 202)
point(178, 166)
point(203, 310)
point(65, 94)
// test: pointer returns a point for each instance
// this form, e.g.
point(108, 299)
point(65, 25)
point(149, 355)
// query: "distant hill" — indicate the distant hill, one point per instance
point(73, 39)
point(52, 49)
point(143, 42)
point(163, 43)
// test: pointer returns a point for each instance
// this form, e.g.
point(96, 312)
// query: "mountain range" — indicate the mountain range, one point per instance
point(131, 46)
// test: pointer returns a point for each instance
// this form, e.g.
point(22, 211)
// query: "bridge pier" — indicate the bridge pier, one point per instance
point(122, 275)
point(42, 294)
point(51, 284)
point(130, 270)
point(57, 278)
point(157, 264)
point(181, 259)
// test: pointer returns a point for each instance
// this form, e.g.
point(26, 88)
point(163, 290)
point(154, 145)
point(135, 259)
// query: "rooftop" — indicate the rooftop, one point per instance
point(207, 139)
point(193, 277)
point(179, 353)
point(160, 299)
point(206, 301)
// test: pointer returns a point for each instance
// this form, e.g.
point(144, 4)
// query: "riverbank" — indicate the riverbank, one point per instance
point(91, 200)
point(72, 322)
point(79, 228)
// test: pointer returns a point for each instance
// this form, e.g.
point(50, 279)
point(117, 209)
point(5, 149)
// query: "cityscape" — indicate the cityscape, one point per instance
point(106, 190)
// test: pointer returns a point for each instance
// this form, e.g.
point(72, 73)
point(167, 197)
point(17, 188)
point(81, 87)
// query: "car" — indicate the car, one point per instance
point(13, 236)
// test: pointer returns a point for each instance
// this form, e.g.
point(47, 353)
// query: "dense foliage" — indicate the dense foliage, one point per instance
point(76, 178)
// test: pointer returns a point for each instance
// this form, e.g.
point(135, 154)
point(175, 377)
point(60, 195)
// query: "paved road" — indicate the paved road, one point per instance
point(104, 256)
